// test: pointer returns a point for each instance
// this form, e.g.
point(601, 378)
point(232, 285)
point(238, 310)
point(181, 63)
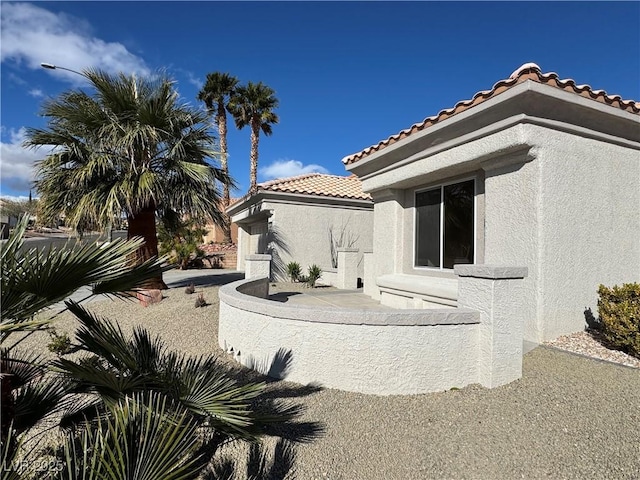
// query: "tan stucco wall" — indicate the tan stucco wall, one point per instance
point(215, 234)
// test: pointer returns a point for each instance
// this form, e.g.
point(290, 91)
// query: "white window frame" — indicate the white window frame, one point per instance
point(475, 223)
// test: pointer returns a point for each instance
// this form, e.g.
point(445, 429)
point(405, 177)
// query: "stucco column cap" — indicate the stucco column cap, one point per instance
point(493, 272)
point(258, 256)
point(345, 249)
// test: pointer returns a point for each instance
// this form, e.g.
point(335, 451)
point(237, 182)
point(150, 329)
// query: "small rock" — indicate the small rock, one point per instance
point(149, 297)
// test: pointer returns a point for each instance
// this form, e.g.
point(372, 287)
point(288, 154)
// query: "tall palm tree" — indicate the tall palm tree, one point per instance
point(254, 105)
point(217, 91)
point(131, 147)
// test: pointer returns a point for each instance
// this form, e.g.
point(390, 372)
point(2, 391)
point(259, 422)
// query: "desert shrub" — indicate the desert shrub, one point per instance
point(342, 238)
point(619, 310)
point(314, 273)
point(60, 343)
point(294, 271)
point(179, 238)
point(200, 301)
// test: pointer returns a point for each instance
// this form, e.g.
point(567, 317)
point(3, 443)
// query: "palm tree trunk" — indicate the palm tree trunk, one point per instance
point(222, 127)
point(143, 224)
point(253, 173)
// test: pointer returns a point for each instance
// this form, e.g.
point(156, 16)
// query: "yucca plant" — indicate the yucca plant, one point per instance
point(314, 273)
point(294, 271)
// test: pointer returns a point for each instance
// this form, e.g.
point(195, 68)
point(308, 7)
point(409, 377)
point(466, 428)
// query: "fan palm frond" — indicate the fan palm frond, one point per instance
point(34, 279)
point(142, 437)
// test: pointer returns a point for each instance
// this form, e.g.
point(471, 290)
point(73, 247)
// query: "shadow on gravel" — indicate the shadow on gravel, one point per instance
point(281, 394)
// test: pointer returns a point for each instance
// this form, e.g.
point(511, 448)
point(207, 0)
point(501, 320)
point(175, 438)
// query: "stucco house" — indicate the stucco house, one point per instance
point(536, 171)
point(215, 233)
point(304, 219)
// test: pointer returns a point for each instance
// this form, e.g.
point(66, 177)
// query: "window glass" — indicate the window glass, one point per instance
point(458, 224)
point(428, 228)
point(444, 225)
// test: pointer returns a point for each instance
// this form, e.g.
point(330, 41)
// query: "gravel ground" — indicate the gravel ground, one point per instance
point(568, 417)
point(592, 344)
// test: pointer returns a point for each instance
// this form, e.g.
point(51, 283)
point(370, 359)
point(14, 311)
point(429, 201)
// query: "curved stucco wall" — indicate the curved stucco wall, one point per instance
point(367, 351)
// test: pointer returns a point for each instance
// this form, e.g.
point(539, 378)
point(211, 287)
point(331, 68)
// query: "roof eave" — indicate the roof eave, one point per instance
point(492, 109)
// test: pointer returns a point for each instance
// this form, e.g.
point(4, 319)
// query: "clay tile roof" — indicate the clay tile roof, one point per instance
point(528, 71)
point(318, 184)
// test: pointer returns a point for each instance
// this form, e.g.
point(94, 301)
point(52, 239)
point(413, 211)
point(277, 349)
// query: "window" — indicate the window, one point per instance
point(445, 225)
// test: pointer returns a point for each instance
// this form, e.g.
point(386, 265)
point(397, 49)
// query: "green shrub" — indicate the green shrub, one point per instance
point(619, 310)
point(180, 238)
point(60, 344)
point(294, 271)
point(315, 272)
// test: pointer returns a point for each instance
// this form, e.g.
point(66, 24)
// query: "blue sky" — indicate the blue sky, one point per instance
point(347, 74)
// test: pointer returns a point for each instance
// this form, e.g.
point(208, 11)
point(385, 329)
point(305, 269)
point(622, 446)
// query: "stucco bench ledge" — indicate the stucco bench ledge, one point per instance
point(437, 290)
point(249, 295)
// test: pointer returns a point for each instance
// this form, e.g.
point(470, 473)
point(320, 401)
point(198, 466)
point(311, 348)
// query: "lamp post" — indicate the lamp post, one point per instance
point(51, 66)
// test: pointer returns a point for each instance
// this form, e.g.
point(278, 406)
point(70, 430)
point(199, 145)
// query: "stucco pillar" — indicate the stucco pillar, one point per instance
point(243, 246)
point(388, 229)
point(347, 268)
point(498, 294)
point(257, 265)
point(369, 276)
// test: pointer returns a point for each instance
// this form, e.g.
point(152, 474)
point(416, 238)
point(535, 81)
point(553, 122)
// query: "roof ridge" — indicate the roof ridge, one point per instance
point(318, 184)
point(302, 176)
point(276, 181)
point(527, 71)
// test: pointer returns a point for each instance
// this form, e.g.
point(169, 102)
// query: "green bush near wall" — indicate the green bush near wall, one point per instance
point(619, 310)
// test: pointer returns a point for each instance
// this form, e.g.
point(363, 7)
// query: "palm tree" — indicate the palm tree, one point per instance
point(130, 148)
point(253, 105)
point(32, 280)
point(217, 91)
point(128, 407)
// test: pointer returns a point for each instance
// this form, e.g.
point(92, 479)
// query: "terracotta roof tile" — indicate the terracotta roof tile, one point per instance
point(318, 184)
point(528, 71)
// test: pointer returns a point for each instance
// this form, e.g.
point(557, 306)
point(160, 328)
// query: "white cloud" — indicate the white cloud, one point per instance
point(20, 198)
point(31, 35)
point(289, 168)
point(36, 92)
point(193, 80)
point(17, 167)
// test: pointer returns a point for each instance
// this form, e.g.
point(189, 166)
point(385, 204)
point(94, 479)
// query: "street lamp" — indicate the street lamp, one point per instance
point(51, 66)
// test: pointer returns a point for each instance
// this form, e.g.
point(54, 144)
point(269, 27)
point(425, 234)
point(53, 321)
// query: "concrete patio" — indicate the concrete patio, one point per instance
point(330, 299)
